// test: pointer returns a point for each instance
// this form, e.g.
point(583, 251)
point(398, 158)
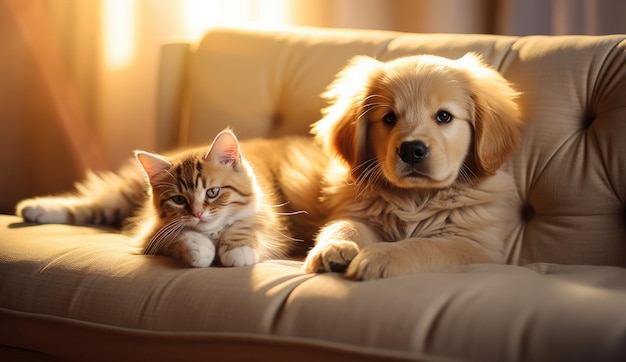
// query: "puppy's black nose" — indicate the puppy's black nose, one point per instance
point(413, 152)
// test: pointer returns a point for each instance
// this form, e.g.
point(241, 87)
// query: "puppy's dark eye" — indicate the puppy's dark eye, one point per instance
point(390, 119)
point(213, 192)
point(443, 117)
point(179, 199)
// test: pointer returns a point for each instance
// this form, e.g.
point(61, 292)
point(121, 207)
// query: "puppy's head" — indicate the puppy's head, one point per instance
point(420, 121)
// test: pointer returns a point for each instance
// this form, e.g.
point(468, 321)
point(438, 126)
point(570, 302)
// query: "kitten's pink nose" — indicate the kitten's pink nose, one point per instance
point(198, 214)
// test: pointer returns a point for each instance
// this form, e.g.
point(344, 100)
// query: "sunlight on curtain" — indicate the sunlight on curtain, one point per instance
point(118, 19)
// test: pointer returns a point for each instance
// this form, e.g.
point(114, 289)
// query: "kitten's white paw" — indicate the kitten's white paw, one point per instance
point(240, 256)
point(44, 214)
point(194, 249)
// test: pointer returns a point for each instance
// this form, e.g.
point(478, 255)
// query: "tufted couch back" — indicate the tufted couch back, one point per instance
point(570, 171)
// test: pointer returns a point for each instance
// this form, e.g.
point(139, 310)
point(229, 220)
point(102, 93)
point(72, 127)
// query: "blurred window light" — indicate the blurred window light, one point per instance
point(273, 12)
point(192, 18)
point(119, 32)
point(200, 15)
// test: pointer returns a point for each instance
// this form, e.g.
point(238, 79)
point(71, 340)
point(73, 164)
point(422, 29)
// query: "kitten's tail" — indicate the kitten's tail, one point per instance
point(101, 199)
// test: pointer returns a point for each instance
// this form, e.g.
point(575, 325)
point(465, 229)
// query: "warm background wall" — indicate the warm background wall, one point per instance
point(78, 78)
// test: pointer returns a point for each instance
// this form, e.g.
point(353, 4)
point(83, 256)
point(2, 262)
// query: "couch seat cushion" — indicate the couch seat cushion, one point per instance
point(483, 312)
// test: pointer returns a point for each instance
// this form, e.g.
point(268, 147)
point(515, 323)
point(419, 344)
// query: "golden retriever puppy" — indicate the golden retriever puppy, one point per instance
point(416, 187)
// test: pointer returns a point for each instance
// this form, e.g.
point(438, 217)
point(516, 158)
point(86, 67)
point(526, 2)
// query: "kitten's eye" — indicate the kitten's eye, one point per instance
point(179, 199)
point(213, 192)
point(390, 119)
point(443, 117)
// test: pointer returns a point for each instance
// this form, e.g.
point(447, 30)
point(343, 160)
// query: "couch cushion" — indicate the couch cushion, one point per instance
point(97, 275)
point(66, 276)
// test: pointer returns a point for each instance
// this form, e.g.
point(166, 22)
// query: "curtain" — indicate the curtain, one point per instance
point(509, 17)
point(46, 139)
point(78, 78)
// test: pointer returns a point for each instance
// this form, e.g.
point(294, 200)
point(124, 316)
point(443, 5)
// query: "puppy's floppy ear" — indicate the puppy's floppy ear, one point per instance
point(341, 131)
point(497, 115)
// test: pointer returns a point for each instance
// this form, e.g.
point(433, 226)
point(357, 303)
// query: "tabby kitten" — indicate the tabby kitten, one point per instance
point(189, 205)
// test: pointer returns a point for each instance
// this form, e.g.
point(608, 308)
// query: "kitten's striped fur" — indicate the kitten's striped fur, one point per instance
point(200, 202)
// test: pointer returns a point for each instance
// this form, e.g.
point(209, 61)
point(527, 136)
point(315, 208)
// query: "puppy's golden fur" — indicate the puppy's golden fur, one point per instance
point(416, 186)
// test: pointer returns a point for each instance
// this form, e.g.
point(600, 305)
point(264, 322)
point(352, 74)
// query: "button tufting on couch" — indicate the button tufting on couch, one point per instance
point(83, 293)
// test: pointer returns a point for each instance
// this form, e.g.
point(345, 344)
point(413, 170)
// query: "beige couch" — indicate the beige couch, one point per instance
point(79, 293)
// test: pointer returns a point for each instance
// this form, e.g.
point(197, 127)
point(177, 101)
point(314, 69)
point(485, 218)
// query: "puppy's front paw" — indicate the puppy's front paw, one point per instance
point(373, 262)
point(331, 257)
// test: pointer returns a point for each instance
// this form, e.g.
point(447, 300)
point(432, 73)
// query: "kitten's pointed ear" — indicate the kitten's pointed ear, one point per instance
point(225, 149)
point(151, 163)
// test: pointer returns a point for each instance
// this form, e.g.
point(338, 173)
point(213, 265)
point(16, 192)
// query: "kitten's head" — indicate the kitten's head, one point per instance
point(206, 189)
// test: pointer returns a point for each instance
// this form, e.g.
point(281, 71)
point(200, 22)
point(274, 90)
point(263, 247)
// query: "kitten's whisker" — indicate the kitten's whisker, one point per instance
point(288, 237)
point(163, 237)
point(280, 205)
point(286, 213)
point(292, 213)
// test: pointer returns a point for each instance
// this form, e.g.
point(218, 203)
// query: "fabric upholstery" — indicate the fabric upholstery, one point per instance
point(85, 293)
